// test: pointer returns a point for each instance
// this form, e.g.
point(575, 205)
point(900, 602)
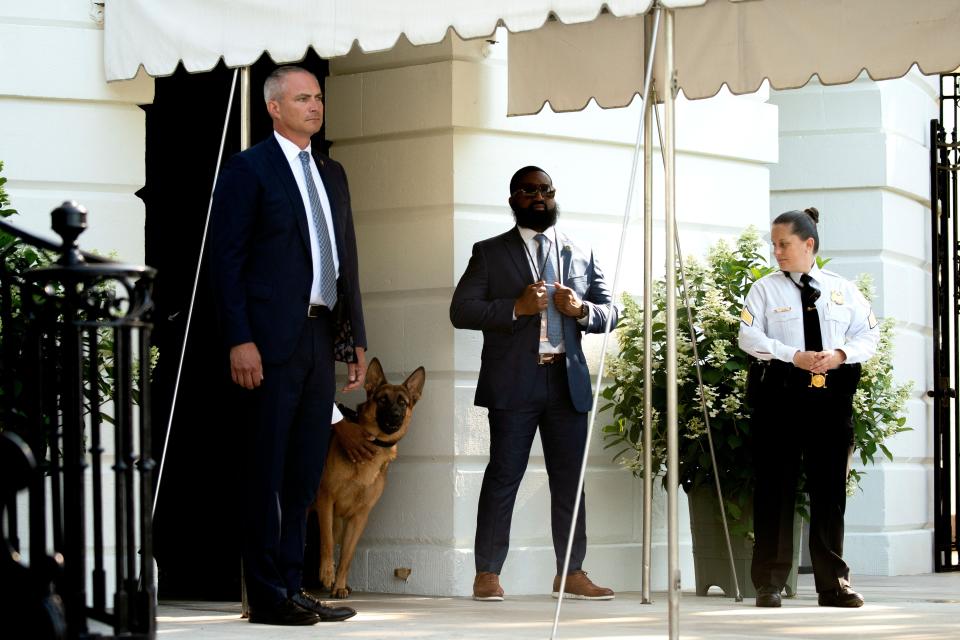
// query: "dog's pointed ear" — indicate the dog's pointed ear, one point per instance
point(374, 377)
point(414, 383)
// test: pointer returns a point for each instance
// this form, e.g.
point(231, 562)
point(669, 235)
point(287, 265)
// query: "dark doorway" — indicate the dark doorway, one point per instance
point(197, 522)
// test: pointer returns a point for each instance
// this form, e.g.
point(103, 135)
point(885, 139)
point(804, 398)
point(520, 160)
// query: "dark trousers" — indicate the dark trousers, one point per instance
point(562, 433)
point(800, 428)
point(286, 451)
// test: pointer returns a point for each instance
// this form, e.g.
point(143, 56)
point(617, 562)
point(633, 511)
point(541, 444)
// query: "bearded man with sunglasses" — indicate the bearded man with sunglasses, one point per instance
point(533, 292)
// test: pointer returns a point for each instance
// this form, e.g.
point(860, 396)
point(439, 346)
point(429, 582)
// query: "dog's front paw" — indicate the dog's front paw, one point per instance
point(326, 578)
point(341, 593)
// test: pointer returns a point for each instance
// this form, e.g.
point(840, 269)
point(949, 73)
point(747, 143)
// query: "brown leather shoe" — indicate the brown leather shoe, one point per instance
point(486, 587)
point(580, 587)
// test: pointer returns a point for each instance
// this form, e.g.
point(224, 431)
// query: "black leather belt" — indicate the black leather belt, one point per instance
point(543, 359)
point(316, 310)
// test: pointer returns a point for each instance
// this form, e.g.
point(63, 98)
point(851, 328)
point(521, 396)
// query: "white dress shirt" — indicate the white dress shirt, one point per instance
point(552, 250)
point(771, 322)
point(292, 153)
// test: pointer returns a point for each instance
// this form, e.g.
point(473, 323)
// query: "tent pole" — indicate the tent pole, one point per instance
point(669, 151)
point(244, 108)
point(244, 145)
point(650, 47)
point(592, 416)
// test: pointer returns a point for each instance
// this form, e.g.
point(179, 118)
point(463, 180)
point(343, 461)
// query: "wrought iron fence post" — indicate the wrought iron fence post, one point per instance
point(88, 333)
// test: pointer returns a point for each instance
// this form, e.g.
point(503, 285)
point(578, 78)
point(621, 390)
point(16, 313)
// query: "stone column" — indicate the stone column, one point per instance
point(65, 132)
point(429, 152)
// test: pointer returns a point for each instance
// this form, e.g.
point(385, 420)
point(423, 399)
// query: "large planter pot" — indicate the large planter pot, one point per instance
point(711, 561)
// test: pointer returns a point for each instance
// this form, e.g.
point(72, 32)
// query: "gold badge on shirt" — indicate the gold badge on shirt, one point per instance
point(746, 317)
point(837, 296)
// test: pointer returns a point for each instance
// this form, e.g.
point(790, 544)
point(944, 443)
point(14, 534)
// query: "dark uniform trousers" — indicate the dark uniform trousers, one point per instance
point(798, 427)
point(563, 432)
point(285, 455)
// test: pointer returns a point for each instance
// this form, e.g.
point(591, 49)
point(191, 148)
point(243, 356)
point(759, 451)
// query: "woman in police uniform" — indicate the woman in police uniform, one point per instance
point(810, 329)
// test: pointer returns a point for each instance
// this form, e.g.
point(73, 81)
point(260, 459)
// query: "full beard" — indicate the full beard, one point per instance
point(535, 218)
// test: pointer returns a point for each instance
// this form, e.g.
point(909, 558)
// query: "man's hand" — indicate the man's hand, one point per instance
point(566, 301)
point(532, 301)
point(246, 369)
point(356, 442)
point(356, 371)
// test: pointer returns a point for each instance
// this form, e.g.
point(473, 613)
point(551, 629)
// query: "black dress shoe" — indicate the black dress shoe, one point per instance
point(325, 613)
point(768, 596)
point(842, 597)
point(286, 613)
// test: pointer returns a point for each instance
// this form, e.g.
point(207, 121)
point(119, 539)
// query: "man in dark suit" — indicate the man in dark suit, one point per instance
point(533, 292)
point(283, 258)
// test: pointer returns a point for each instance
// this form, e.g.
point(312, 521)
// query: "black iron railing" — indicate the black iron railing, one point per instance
point(75, 416)
point(945, 271)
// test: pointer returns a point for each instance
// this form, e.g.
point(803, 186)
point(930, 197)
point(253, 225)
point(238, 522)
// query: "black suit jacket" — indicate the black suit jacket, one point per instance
point(260, 255)
point(495, 277)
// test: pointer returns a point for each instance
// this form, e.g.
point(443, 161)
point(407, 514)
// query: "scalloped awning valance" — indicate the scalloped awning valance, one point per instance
point(737, 43)
point(592, 50)
point(159, 34)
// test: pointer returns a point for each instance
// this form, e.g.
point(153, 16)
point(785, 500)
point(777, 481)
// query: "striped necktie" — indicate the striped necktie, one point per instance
point(328, 273)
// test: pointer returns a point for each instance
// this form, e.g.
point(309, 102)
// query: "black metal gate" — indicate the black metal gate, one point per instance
point(945, 271)
point(75, 433)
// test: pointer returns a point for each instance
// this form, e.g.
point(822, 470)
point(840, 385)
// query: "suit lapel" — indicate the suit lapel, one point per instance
point(331, 186)
point(518, 252)
point(562, 243)
point(282, 167)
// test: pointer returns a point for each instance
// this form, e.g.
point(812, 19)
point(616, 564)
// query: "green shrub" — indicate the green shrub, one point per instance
point(716, 289)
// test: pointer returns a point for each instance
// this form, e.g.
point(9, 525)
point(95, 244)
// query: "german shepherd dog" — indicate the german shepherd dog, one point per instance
point(349, 490)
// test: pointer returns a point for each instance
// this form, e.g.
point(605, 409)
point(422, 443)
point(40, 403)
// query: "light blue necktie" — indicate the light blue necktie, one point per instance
point(328, 273)
point(554, 328)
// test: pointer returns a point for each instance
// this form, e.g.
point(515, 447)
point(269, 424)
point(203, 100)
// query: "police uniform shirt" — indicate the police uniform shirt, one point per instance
point(771, 322)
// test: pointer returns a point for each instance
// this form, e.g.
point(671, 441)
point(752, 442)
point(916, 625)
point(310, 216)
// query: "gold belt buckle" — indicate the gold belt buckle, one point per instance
point(818, 380)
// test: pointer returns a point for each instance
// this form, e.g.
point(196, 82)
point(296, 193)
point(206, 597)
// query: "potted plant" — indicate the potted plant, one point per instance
point(716, 289)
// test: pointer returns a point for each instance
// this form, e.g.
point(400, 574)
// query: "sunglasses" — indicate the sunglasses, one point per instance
point(531, 191)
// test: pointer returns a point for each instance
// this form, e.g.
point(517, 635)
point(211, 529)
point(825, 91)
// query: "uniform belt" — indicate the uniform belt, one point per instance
point(843, 379)
point(316, 310)
point(543, 359)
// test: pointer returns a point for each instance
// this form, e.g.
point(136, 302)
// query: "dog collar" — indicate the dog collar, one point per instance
point(381, 443)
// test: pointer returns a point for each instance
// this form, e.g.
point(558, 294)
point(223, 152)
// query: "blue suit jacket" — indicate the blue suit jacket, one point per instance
point(260, 255)
point(495, 277)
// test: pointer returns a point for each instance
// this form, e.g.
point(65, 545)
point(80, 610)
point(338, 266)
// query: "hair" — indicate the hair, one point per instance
point(515, 180)
point(802, 224)
point(273, 85)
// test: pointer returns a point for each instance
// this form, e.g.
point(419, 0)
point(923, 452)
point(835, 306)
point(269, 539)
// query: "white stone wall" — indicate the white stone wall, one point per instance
point(429, 155)
point(67, 134)
point(859, 153)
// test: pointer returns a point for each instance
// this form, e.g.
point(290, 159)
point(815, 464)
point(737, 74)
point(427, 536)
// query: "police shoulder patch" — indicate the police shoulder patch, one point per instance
point(872, 319)
point(746, 317)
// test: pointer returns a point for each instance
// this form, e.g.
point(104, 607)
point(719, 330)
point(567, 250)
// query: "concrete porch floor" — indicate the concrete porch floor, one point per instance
point(904, 607)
